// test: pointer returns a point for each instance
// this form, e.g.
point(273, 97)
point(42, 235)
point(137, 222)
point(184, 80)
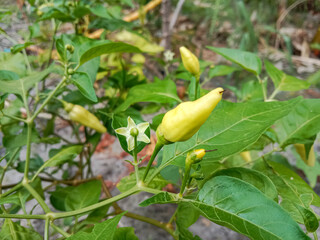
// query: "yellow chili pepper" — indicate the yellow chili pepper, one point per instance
point(182, 122)
point(81, 115)
point(190, 62)
point(301, 150)
point(246, 156)
point(200, 153)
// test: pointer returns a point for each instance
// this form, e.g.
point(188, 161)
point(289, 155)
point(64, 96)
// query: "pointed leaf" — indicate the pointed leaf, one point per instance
point(159, 92)
point(290, 185)
point(284, 82)
point(255, 178)
point(17, 86)
point(249, 61)
point(129, 182)
point(125, 233)
point(85, 86)
point(301, 215)
point(101, 231)
point(302, 123)
point(61, 157)
point(13, 231)
point(83, 195)
point(107, 48)
point(241, 207)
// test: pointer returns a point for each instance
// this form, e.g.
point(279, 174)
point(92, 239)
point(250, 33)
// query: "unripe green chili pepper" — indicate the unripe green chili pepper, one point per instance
point(182, 122)
point(81, 115)
point(190, 62)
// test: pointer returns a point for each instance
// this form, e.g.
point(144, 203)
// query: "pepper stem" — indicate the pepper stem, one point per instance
point(135, 157)
point(197, 87)
point(185, 178)
point(156, 150)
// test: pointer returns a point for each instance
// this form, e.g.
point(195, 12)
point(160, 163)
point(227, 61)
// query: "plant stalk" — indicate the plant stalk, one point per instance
point(156, 150)
point(132, 191)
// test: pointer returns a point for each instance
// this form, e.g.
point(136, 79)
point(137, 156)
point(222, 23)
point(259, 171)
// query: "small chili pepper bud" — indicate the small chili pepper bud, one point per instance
point(195, 156)
point(190, 62)
point(81, 115)
point(69, 48)
point(70, 71)
point(301, 150)
point(182, 122)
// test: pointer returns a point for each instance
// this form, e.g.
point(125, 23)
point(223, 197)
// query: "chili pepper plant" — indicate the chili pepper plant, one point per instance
point(226, 160)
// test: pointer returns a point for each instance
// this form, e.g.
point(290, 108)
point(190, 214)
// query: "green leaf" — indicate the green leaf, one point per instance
point(129, 182)
point(249, 91)
point(98, 214)
point(314, 78)
point(249, 61)
point(58, 197)
point(110, 24)
point(17, 86)
point(101, 231)
point(23, 195)
point(8, 75)
point(125, 233)
point(221, 70)
point(231, 128)
point(311, 173)
point(160, 198)
point(35, 163)
point(159, 92)
point(156, 121)
point(186, 216)
point(13, 231)
point(13, 199)
point(19, 47)
point(255, 178)
point(20, 139)
point(60, 46)
point(284, 82)
point(2, 100)
point(85, 86)
point(301, 215)
point(290, 185)
point(66, 154)
point(83, 195)
point(61, 157)
point(107, 48)
point(300, 124)
point(13, 62)
point(59, 13)
point(241, 207)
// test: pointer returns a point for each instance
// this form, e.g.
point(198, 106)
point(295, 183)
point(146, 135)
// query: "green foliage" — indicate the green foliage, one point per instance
point(129, 182)
point(284, 82)
point(83, 195)
point(160, 92)
point(262, 195)
point(246, 60)
point(11, 231)
point(101, 231)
